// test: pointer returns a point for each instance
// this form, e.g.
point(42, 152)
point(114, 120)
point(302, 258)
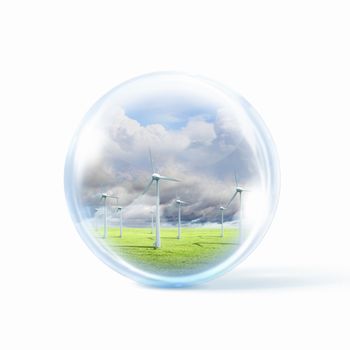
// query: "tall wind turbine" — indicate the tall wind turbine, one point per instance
point(222, 209)
point(104, 197)
point(179, 204)
point(156, 177)
point(238, 192)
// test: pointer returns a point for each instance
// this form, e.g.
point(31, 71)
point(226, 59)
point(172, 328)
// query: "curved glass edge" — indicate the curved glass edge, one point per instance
point(162, 281)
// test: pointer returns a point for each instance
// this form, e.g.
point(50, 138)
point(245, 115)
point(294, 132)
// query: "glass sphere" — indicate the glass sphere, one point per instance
point(172, 179)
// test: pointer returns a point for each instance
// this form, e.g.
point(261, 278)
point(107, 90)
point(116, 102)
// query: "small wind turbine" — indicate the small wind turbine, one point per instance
point(98, 214)
point(222, 209)
point(104, 197)
point(119, 209)
point(156, 177)
point(179, 204)
point(238, 191)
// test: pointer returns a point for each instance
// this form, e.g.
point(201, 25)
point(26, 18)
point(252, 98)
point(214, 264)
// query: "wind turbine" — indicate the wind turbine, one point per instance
point(222, 209)
point(104, 197)
point(179, 204)
point(239, 191)
point(98, 214)
point(156, 177)
point(119, 209)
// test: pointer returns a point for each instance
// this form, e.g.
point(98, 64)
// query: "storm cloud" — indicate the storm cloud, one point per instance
point(203, 154)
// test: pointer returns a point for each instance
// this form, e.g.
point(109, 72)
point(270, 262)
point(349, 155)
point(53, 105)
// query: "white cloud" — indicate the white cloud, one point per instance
point(199, 131)
point(133, 138)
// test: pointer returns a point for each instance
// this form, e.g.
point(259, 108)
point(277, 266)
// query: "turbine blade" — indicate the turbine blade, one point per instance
point(231, 200)
point(151, 159)
point(115, 197)
point(147, 187)
point(168, 178)
point(236, 178)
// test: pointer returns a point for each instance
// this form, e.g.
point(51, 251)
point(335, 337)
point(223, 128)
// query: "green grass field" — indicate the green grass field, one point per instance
point(196, 250)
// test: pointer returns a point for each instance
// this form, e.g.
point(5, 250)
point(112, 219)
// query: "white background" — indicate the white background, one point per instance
point(290, 59)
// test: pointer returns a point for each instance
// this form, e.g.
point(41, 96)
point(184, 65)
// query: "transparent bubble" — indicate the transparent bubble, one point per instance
point(172, 179)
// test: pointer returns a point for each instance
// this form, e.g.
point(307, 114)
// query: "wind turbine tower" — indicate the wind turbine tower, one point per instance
point(156, 177)
point(119, 209)
point(179, 204)
point(104, 197)
point(239, 190)
point(152, 222)
point(222, 209)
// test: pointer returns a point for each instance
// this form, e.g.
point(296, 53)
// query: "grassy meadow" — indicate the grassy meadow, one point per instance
point(196, 250)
